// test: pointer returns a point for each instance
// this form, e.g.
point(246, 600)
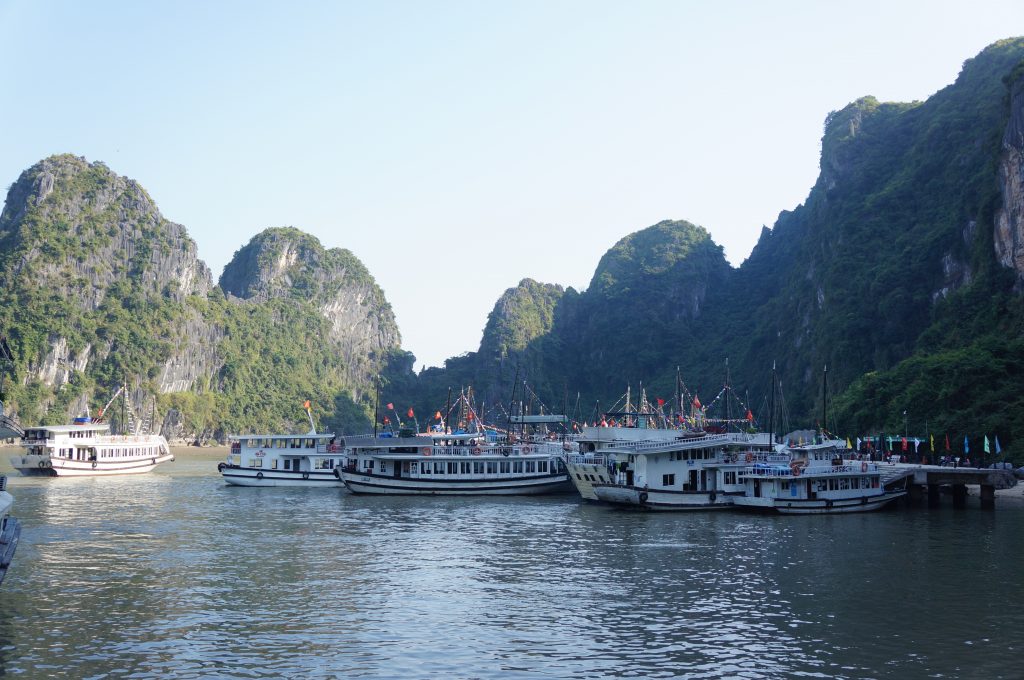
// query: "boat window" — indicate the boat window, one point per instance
point(844, 483)
point(478, 467)
point(517, 466)
point(438, 467)
point(542, 466)
point(256, 462)
point(465, 467)
point(668, 480)
point(453, 467)
point(492, 467)
point(273, 464)
point(310, 443)
point(281, 443)
point(531, 466)
point(505, 467)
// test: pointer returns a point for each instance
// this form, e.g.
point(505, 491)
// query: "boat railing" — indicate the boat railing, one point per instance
point(588, 459)
point(775, 470)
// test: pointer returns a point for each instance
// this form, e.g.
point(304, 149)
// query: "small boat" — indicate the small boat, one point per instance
point(10, 529)
point(814, 479)
point(309, 459)
point(461, 464)
point(284, 460)
point(87, 447)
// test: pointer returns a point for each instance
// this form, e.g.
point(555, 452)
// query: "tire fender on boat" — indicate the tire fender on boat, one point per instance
point(259, 475)
point(795, 469)
point(221, 466)
point(305, 475)
point(750, 458)
point(712, 496)
point(94, 465)
point(643, 496)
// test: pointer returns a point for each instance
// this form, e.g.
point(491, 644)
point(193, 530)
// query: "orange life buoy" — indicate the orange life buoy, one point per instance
point(795, 470)
point(750, 458)
point(425, 450)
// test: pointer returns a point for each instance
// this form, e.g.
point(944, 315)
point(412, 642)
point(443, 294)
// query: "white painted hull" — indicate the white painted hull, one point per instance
point(790, 506)
point(46, 466)
point(242, 476)
point(661, 500)
point(10, 532)
point(363, 483)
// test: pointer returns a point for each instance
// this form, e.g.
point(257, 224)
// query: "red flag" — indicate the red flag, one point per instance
point(391, 407)
point(661, 402)
point(471, 416)
point(904, 443)
point(410, 413)
point(437, 416)
point(387, 421)
point(305, 404)
point(947, 442)
point(696, 401)
point(750, 416)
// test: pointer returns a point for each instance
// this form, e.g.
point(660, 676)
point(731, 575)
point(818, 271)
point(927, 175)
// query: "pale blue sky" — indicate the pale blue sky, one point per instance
point(458, 147)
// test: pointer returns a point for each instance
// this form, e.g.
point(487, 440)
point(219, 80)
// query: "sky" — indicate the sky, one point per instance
point(459, 147)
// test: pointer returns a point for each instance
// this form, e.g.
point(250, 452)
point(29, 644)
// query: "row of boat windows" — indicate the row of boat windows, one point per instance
point(465, 467)
point(108, 453)
point(841, 484)
point(591, 478)
point(285, 443)
point(290, 464)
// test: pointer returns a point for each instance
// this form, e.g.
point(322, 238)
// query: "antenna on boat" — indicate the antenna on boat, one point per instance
point(511, 404)
point(824, 402)
point(448, 412)
point(376, 405)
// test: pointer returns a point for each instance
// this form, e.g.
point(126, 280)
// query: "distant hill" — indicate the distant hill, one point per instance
point(96, 286)
point(901, 271)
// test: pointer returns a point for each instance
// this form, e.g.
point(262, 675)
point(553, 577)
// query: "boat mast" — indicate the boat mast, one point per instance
point(824, 403)
point(771, 411)
point(511, 404)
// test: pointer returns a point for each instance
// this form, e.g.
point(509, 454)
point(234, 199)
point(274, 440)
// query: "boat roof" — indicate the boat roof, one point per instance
point(308, 435)
point(538, 420)
point(61, 429)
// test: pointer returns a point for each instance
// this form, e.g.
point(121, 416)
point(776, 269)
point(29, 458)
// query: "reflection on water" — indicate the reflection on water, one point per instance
point(175, 574)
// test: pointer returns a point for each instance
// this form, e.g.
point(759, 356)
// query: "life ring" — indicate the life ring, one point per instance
point(476, 451)
point(221, 466)
point(259, 475)
point(712, 496)
point(42, 464)
point(863, 467)
point(526, 449)
point(643, 497)
point(750, 458)
point(425, 450)
point(305, 475)
point(94, 464)
point(828, 503)
point(795, 469)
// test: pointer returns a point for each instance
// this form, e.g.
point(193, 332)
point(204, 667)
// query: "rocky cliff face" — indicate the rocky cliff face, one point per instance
point(97, 286)
point(76, 227)
point(287, 263)
point(1009, 221)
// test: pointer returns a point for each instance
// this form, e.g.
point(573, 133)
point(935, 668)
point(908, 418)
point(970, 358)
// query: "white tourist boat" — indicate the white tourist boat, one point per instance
point(693, 471)
point(87, 448)
point(10, 529)
point(814, 479)
point(453, 464)
point(284, 460)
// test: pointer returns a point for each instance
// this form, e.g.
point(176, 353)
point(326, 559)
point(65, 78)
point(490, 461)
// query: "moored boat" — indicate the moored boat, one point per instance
point(312, 460)
point(10, 529)
point(87, 448)
point(814, 479)
point(460, 464)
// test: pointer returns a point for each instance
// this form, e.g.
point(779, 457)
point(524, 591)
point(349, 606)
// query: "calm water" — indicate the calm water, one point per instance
point(174, 574)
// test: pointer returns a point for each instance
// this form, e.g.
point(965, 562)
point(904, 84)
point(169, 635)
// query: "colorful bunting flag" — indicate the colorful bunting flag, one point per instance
point(933, 442)
point(391, 407)
point(999, 449)
point(967, 446)
point(410, 413)
point(987, 450)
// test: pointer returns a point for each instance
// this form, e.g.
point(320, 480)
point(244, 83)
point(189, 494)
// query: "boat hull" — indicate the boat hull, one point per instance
point(585, 475)
point(363, 483)
point(244, 476)
point(819, 506)
point(661, 500)
point(46, 466)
